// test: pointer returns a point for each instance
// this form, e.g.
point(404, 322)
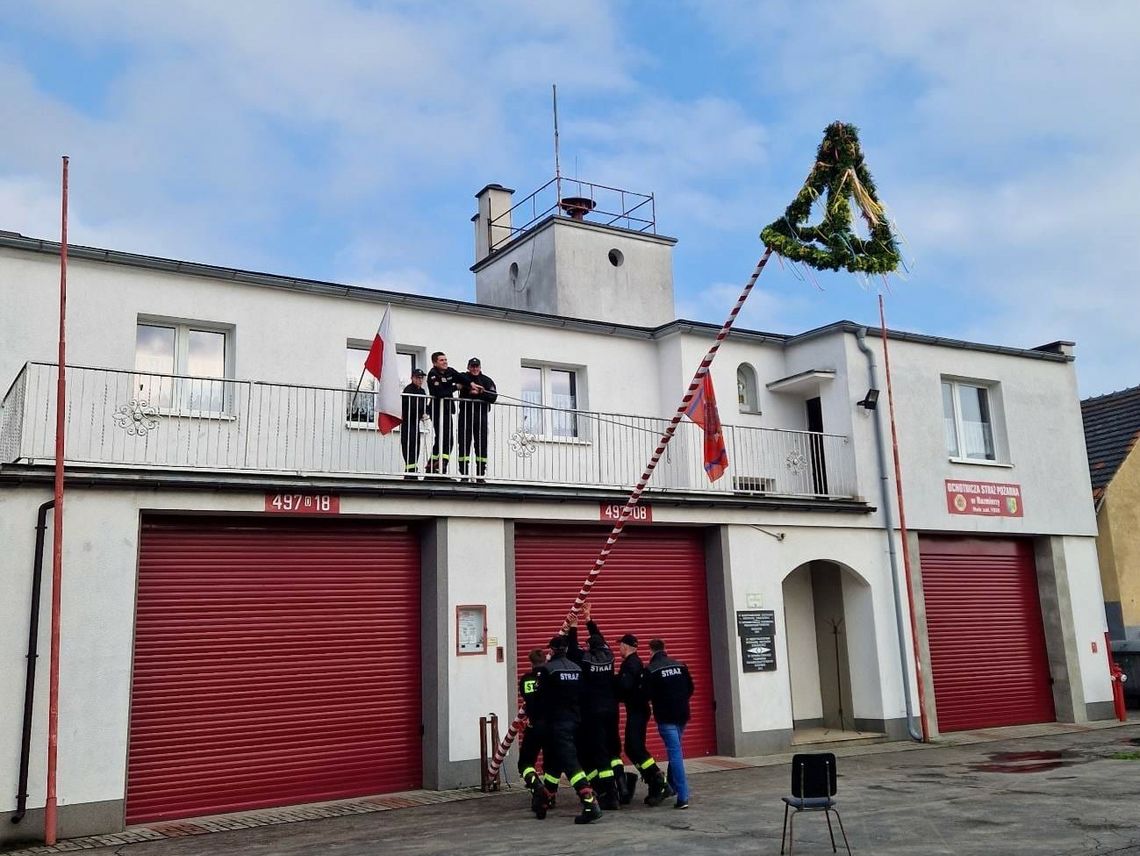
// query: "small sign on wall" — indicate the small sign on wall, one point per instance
point(470, 629)
point(757, 631)
point(611, 513)
point(302, 503)
point(984, 499)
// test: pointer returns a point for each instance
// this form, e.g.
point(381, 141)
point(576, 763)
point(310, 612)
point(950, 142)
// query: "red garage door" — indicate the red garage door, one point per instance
point(987, 641)
point(274, 664)
point(653, 585)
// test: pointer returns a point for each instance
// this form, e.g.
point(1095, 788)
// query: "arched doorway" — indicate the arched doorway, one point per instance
point(832, 661)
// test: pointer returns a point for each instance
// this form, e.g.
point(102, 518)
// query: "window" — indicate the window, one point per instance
point(968, 420)
point(361, 407)
point(746, 395)
point(177, 362)
point(556, 390)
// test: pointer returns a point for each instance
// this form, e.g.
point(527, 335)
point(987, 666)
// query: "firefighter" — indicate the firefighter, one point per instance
point(442, 383)
point(476, 395)
point(632, 692)
point(414, 406)
point(559, 687)
point(670, 688)
point(536, 723)
point(599, 744)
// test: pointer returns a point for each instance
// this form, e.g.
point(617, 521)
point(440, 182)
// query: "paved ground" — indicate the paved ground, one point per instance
point(1057, 793)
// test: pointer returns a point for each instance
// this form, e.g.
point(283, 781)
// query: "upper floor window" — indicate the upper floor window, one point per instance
point(183, 366)
point(969, 421)
point(746, 390)
point(361, 408)
point(557, 391)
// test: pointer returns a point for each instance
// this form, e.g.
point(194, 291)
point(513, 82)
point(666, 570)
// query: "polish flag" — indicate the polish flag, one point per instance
point(702, 410)
point(381, 364)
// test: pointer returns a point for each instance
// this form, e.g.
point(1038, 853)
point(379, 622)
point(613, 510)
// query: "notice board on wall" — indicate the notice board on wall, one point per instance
point(757, 631)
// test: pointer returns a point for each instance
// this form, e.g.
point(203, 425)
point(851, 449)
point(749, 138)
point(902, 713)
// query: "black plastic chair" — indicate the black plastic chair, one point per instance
point(813, 789)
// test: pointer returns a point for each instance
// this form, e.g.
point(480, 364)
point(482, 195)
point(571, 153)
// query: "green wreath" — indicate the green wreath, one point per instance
point(839, 170)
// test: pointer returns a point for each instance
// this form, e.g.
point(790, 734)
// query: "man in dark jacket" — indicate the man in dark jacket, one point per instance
point(476, 395)
point(559, 690)
point(670, 688)
point(599, 745)
point(536, 727)
point(413, 406)
point(442, 382)
point(632, 693)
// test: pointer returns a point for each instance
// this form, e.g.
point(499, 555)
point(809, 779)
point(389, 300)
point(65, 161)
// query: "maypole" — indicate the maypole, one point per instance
point(840, 173)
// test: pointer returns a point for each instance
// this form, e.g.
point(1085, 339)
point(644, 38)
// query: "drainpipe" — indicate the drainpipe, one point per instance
point(889, 525)
point(33, 654)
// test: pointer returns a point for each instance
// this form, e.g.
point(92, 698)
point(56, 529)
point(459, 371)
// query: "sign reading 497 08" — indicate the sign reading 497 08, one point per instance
point(302, 503)
point(611, 513)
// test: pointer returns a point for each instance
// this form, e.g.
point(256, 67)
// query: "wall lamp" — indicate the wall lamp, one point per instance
point(871, 400)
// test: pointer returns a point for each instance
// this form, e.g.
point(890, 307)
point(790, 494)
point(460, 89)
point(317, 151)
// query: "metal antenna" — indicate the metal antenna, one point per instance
point(557, 165)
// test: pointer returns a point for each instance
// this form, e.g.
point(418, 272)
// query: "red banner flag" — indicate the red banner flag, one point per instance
point(702, 411)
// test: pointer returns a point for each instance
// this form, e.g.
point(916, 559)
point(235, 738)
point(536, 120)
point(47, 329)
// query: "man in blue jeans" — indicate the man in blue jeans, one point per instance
point(669, 688)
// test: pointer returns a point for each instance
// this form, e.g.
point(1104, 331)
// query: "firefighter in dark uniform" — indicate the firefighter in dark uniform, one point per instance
point(632, 692)
point(599, 744)
point(534, 734)
point(670, 687)
point(559, 686)
point(476, 395)
point(413, 405)
point(442, 383)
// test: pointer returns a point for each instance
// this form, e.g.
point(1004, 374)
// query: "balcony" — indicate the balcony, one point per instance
point(170, 423)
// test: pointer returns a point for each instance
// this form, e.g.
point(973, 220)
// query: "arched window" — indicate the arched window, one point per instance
point(746, 395)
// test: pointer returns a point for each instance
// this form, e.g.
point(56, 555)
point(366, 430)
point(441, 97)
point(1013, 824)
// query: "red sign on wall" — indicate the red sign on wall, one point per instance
point(611, 513)
point(985, 499)
point(302, 503)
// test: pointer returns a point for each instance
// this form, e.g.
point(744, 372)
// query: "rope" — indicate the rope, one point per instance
point(635, 495)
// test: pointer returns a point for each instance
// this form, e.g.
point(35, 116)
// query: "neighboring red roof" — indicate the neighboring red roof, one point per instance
point(1112, 428)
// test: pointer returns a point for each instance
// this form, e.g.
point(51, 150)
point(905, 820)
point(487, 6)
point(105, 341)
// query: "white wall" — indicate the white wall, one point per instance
point(476, 575)
point(1088, 617)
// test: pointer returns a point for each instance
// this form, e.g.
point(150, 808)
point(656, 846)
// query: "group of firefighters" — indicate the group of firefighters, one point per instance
point(572, 701)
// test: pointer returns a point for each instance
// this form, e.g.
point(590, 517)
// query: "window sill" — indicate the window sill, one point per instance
point(566, 441)
point(746, 411)
point(977, 462)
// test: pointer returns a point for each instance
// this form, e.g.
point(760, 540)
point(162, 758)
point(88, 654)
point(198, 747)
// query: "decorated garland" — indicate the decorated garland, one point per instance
point(839, 170)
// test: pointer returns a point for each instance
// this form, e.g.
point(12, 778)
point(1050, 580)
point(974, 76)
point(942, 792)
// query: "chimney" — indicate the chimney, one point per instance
point(493, 222)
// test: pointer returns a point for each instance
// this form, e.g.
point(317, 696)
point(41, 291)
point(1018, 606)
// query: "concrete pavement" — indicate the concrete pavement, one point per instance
point(1038, 790)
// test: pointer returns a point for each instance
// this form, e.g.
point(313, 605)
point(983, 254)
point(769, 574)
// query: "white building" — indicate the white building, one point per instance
point(258, 609)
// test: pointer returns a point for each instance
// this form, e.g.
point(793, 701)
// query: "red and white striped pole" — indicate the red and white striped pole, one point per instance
point(635, 494)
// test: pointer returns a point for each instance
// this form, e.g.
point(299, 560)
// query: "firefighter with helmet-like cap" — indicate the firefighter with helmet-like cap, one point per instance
point(559, 690)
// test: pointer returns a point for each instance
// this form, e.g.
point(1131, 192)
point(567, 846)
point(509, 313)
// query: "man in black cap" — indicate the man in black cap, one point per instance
point(442, 382)
point(414, 406)
point(476, 395)
point(599, 743)
point(559, 688)
point(632, 692)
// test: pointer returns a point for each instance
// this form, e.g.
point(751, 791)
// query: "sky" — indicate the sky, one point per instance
point(345, 141)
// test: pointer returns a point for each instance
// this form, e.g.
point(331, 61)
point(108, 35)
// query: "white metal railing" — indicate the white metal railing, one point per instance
point(154, 421)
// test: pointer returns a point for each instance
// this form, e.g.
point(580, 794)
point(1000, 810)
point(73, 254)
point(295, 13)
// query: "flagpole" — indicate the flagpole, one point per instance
point(57, 531)
point(635, 495)
point(356, 392)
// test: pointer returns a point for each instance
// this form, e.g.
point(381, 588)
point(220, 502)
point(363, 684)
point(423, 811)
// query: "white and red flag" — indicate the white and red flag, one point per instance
point(702, 410)
point(381, 364)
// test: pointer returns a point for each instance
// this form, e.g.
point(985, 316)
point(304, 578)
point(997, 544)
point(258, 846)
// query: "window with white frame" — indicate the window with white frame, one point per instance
point(746, 394)
point(183, 366)
point(556, 391)
point(360, 406)
point(970, 419)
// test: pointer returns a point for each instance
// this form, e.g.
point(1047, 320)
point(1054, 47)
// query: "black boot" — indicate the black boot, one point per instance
point(590, 809)
point(630, 787)
point(659, 791)
point(607, 794)
point(540, 801)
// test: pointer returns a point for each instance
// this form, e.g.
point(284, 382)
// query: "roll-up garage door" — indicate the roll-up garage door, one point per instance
point(987, 640)
point(275, 663)
point(653, 585)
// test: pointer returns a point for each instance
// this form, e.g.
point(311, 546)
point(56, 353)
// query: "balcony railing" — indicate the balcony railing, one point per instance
point(142, 420)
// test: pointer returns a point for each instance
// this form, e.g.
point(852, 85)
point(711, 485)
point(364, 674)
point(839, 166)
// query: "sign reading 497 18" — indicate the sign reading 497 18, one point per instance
point(302, 503)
